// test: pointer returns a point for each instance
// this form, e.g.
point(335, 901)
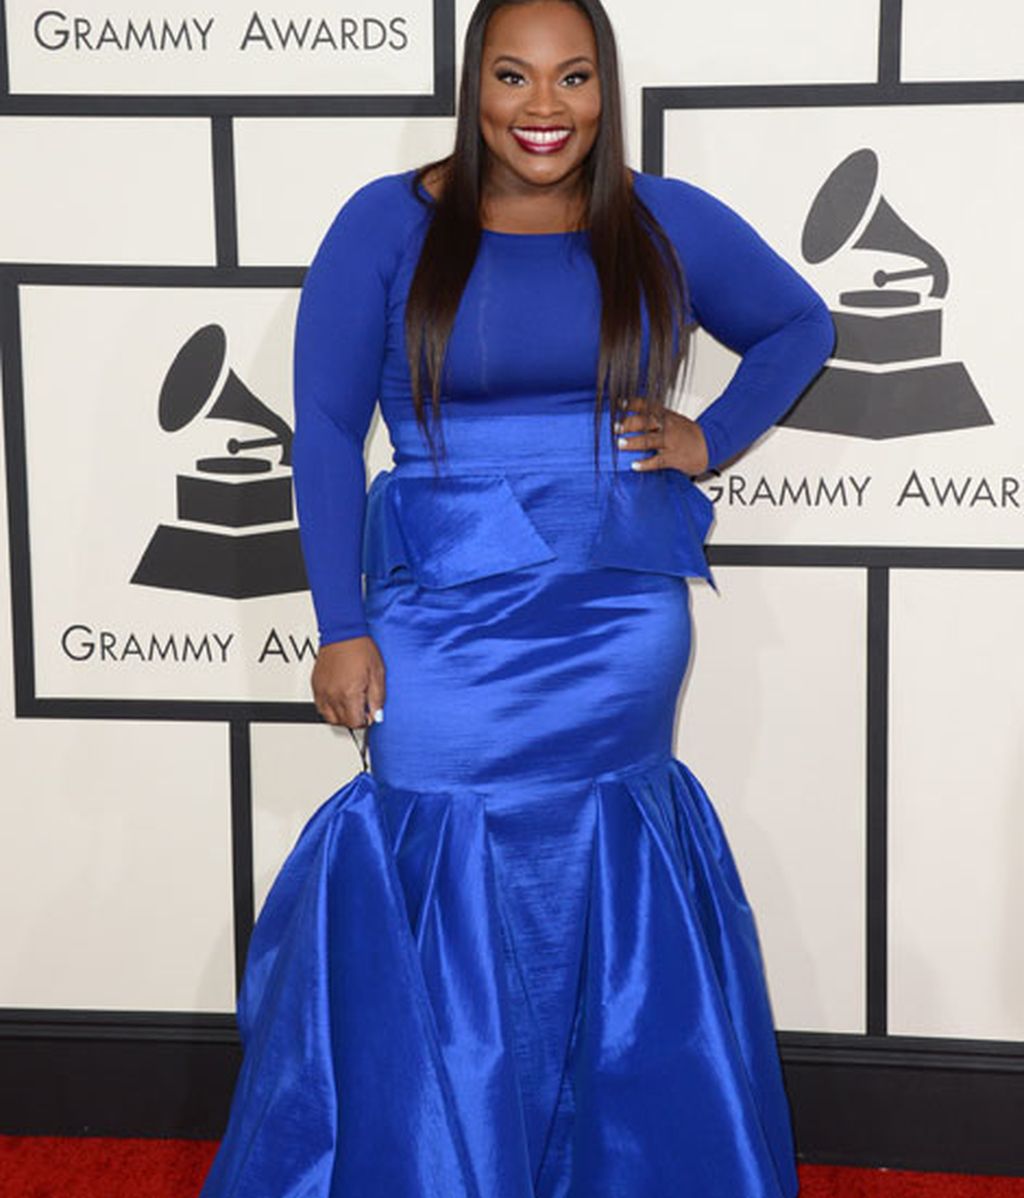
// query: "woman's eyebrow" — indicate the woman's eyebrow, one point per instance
point(521, 62)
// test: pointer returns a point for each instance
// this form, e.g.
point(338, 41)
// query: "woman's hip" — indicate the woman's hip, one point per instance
point(548, 672)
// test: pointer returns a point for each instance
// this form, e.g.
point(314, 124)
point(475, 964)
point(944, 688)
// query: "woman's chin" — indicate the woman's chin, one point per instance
point(543, 170)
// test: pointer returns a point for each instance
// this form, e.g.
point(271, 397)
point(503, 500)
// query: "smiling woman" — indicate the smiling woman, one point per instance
point(515, 959)
point(539, 148)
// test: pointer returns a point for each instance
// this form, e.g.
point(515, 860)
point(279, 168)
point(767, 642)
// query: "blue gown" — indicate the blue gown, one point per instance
point(514, 959)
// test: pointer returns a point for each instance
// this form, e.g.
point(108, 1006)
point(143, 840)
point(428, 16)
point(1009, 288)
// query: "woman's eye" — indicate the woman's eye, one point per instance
point(515, 79)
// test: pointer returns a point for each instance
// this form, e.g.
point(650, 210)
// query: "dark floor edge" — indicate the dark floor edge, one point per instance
point(853, 1103)
point(933, 1119)
point(803, 1046)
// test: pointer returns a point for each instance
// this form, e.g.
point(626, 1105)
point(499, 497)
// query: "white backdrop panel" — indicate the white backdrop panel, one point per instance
point(115, 47)
point(118, 191)
point(746, 41)
point(941, 488)
point(946, 39)
point(97, 495)
point(295, 770)
point(293, 175)
point(115, 863)
point(956, 888)
point(772, 722)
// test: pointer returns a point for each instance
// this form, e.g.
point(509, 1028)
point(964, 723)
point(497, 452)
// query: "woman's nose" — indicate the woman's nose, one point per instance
point(544, 99)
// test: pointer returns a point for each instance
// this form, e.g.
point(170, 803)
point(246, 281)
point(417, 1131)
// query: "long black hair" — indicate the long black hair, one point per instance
point(635, 261)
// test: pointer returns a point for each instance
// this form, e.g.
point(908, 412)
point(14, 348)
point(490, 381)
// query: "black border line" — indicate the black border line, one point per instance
point(439, 102)
point(876, 914)
point(5, 74)
point(225, 207)
point(16, 467)
point(891, 1051)
point(890, 42)
point(242, 873)
point(657, 101)
point(48, 274)
point(868, 557)
point(67, 1023)
point(444, 57)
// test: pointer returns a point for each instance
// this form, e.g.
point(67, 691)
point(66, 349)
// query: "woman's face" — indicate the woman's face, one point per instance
point(540, 99)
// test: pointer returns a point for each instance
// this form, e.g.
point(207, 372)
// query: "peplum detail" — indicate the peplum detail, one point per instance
point(451, 530)
point(655, 521)
point(448, 531)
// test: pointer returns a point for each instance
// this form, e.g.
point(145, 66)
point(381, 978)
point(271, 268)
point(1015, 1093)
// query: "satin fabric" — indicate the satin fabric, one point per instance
point(514, 959)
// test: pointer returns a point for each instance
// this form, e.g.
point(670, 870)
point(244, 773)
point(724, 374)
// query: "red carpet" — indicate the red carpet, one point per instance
point(57, 1167)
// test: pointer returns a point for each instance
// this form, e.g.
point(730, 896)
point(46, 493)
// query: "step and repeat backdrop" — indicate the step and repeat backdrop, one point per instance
point(855, 703)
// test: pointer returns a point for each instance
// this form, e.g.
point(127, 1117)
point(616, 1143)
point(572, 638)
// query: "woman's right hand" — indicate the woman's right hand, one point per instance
point(348, 682)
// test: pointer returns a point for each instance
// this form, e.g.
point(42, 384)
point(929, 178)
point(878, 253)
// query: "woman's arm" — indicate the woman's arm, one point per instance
point(749, 298)
point(339, 346)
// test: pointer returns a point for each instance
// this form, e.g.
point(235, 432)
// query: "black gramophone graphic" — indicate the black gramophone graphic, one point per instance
point(239, 538)
point(885, 378)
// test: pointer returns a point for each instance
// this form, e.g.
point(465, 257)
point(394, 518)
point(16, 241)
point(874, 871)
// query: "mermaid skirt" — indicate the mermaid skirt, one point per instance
point(514, 959)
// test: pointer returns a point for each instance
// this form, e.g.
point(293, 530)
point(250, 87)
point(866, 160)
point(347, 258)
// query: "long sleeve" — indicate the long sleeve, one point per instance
point(338, 350)
point(751, 300)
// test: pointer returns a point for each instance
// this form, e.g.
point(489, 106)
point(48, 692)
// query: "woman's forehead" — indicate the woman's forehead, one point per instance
point(548, 31)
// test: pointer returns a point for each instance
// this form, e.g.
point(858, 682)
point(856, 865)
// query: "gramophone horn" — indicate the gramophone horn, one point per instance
point(851, 191)
point(839, 206)
point(191, 379)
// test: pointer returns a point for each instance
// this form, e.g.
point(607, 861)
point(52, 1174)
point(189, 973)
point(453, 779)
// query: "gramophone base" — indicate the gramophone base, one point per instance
point(209, 563)
point(235, 503)
point(892, 403)
point(887, 338)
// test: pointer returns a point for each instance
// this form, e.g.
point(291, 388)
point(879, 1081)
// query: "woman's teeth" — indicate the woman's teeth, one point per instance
point(542, 140)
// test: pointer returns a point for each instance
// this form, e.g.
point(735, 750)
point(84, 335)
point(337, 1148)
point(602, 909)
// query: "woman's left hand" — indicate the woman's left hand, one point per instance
point(679, 441)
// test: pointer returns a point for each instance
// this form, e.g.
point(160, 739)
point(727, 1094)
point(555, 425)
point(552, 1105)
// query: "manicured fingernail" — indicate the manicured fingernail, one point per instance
point(635, 465)
point(623, 443)
point(378, 715)
point(617, 426)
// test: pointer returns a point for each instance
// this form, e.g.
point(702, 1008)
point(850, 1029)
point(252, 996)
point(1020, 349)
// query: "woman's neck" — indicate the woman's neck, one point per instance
point(532, 214)
point(506, 208)
point(511, 206)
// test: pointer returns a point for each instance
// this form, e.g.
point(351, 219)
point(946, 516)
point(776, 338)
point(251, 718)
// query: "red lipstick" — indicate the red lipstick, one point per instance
point(540, 139)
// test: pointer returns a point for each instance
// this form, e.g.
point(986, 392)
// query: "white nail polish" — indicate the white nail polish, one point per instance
point(378, 715)
point(623, 442)
point(634, 465)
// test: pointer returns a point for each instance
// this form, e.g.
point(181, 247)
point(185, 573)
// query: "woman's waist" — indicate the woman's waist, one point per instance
point(519, 490)
point(509, 443)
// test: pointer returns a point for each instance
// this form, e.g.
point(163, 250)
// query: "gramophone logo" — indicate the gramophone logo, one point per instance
point(235, 534)
point(887, 377)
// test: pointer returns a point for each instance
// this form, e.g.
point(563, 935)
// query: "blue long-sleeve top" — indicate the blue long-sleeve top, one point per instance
point(526, 338)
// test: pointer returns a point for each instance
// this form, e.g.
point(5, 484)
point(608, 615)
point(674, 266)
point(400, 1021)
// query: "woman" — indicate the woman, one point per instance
point(515, 960)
